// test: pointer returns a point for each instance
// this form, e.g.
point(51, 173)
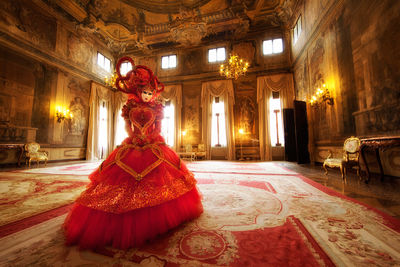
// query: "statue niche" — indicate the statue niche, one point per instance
point(247, 115)
point(78, 120)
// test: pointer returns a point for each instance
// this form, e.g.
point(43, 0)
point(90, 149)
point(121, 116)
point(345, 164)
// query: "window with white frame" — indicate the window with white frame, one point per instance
point(273, 46)
point(168, 123)
point(297, 30)
point(275, 120)
point(218, 130)
point(120, 133)
point(216, 54)
point(103, 62)
point(125, 67)
point(168, 62)
point(103, 122)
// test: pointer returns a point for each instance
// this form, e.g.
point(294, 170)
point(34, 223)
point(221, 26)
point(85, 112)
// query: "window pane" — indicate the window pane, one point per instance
point(168, 124)
point(120, 133)
point(277, 46)
point(212, 55)
point(267, 47)
point(218, 130)
point(100, 59)
point(276, 133)
point(103, 139)
point(172, 61)
point(107, 64)
point(125, 67)
point(221, 54)
point(164, 62)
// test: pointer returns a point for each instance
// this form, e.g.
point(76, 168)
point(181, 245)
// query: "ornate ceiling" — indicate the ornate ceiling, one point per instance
point(143, 25)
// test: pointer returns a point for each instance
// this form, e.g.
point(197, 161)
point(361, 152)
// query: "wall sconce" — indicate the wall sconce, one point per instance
point(321, 95)
point(62, 113)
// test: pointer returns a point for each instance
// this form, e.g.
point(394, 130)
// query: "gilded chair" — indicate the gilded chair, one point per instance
point(351, 156)
point(201, 152)
point(32, 152)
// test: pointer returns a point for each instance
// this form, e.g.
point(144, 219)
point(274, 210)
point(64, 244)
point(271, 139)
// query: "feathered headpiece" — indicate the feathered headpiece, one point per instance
point(136, 80)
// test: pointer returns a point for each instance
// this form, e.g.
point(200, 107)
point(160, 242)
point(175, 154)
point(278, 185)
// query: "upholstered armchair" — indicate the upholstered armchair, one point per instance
point(32, 152)
point(350, 159)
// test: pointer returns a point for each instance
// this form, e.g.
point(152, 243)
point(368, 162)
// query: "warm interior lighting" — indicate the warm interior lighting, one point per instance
point(241, 131)
point(321, 95)
point(184, 132)
point(110, 81)
point(235, 68)
point(62, 113)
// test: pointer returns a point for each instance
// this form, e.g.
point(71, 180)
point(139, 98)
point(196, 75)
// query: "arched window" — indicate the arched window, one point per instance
point(168, 124)
point(218, 127)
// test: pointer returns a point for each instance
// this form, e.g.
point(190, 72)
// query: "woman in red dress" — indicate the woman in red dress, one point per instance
point(142, 189)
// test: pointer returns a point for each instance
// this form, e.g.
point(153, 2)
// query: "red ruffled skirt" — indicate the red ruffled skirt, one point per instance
point(123, 209)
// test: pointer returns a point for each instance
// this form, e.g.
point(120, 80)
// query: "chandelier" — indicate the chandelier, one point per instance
point(235, 68)
point(110, 81)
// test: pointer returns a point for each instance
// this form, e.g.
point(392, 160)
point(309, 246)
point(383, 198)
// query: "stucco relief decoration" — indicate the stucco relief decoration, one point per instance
point(300, 76)
point(9, 15)
point(247, 115)
point(191, 113)
point(79, 51)
point(245, 51)
point(188, 28)
point(34, 26)
point(316, 64)
point(77, 125)
point(77, 87)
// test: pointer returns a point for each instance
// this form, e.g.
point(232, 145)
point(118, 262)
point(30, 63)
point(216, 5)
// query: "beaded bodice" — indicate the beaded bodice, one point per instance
point(144, 121)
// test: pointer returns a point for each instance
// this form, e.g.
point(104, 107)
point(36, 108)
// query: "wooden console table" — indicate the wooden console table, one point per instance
point(14, 146)
point(377, 144)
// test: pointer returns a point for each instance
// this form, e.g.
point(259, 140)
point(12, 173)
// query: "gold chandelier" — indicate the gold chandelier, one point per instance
point(235, 68)
point(110, 81)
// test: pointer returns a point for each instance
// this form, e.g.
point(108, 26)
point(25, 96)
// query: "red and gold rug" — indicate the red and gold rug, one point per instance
point(24, 194)
point(253, 216)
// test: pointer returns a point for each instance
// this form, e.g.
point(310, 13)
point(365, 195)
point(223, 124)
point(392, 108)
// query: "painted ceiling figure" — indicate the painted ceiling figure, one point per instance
point(142, 189)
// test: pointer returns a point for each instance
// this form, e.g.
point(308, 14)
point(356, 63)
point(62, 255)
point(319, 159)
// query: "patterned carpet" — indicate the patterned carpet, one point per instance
point(25, 194)
point(256, 214)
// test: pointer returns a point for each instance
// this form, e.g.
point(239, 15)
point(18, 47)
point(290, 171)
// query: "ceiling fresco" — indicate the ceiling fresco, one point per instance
point(129, 26)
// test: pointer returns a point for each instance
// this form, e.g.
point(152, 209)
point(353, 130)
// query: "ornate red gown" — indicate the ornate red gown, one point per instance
point(140, 191)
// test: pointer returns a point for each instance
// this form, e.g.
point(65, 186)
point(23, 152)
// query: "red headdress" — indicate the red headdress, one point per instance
point(136, 80)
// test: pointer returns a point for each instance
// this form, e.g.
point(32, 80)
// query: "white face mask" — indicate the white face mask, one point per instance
point(147, 95)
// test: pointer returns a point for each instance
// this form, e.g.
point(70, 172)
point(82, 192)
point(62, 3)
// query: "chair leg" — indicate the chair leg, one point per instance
point(343, 172)
point(29, 163)
point(326, 170)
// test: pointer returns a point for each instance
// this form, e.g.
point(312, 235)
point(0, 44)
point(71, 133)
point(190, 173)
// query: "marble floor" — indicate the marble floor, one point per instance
point(382, 195)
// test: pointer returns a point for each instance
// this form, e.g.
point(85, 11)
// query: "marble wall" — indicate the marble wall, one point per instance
point(353, 47)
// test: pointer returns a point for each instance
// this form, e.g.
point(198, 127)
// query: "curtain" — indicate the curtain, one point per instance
point(223, 89)
point(119, 100)
point(173, 93)
point(99, 94)
point(282, 83)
